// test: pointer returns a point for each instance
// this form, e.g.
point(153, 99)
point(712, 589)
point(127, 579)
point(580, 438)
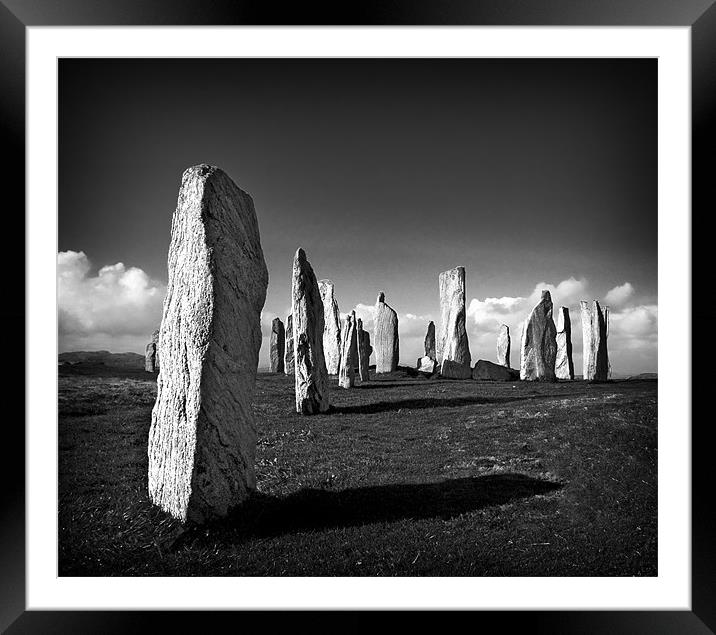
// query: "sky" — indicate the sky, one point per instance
point(532, 174)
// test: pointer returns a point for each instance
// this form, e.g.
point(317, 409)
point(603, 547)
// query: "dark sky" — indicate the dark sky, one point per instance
point(386, 172)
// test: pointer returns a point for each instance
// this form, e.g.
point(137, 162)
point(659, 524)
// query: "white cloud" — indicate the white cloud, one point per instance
point(619, 295)
point(119, 304)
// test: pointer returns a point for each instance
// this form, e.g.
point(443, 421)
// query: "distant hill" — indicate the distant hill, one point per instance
point(644, 376)
point(104, 358)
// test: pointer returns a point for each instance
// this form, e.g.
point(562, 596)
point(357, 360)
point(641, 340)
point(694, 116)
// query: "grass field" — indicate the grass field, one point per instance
point(405, 476)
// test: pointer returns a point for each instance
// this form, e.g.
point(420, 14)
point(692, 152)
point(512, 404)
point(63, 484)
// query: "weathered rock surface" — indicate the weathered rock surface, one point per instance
point(489, 371)
point(307, 309)
point(288, 363)
point(503, 346)
point(349, 352)
point(331, 327)
point(564, 366)
point(386, 345)
point(364, 351)
point(150, 358)
point(452, 343)
point(426, 364)
point(202, 439)
point(455, 370)
point(595, 328)
point(430, 341)
point(538, 349)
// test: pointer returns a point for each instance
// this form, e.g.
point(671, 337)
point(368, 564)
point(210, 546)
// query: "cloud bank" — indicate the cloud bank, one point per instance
point(117, 309)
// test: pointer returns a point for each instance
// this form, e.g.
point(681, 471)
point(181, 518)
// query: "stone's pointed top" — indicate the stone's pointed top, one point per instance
point(359, 322)
point(381, 297)
point(584, 304)
point(546, 295)
point(431, 322)
point(300, 254)
point(326, 282)
point(200, 170)
point(276, 324)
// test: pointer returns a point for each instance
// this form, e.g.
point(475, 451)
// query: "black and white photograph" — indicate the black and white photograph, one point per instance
point(357, 317)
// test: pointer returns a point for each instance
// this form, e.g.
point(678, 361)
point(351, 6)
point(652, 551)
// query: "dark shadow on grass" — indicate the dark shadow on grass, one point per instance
point(428, 402)
point(313, 510)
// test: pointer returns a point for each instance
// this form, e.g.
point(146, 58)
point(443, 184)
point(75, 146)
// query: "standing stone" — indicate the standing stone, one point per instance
point(349, 352)
point(595, 327)
point(387, 349)
point(307, 309)
point(564, 366)
point(202, 440)
point(155, 341)
point(539, 343)
point(430, 341)
point(288, 362)
point(426, 365)
point(503, 346)
point(452, 344)
point(150, 358)
point(278, 343)
point(487, 371)
point(364, 351)
point(331, 327)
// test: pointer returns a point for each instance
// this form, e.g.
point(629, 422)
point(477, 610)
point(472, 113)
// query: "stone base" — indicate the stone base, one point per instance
point(454, 370)
point(488, 371)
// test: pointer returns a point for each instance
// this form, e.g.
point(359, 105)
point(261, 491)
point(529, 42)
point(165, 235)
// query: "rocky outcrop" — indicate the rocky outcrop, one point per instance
point(364, 351)
point(386, 345)
point(150, 358)
point(311, 377)
point(349, 352)
point(489, 371)
point(430, 341)
point(455, 370)
point(564, 366)
point(503, 346)
point(595, 328)
point(277, 343)
point(202, 439)
point(331, 327)
point(427, 364)
point(538, 348)
point(452, 344)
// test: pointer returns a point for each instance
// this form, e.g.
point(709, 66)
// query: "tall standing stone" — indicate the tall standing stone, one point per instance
point(331, 327)
point(202, 439)
point(150, 358)
point(430, 341)
point(311, 377)
point(364, 351)
point(277, 343)
point(564, 366)
point(349, 352)
point(503, 346)
point(452, 344)
point(288, 362)
point(595, 327)
point(387, 348)
point(155, 341)
point(539, 343)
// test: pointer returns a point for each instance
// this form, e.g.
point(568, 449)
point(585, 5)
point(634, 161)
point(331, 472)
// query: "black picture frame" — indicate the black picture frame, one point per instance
point(700, 15)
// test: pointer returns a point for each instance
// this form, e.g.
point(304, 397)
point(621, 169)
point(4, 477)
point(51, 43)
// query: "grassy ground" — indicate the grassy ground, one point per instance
point(405, 476)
